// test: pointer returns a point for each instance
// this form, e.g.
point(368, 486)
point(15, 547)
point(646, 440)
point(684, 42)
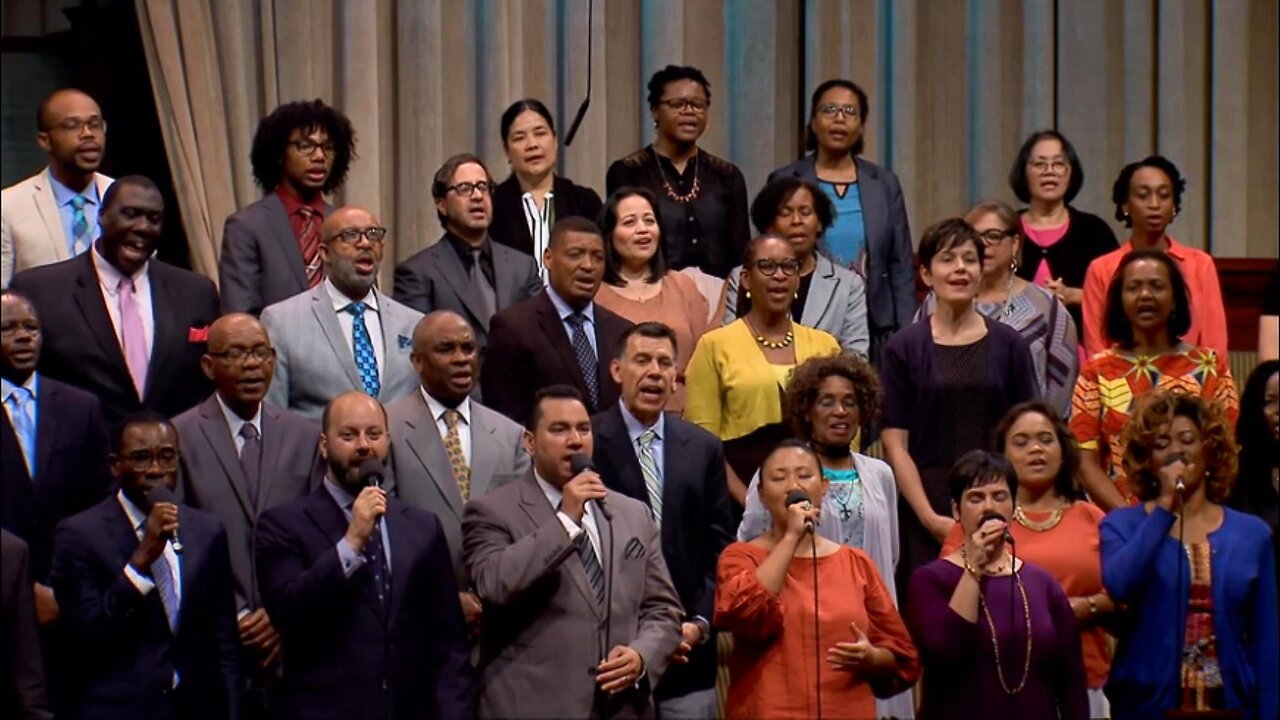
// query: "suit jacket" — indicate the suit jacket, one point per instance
point(347, 656)
point(81, 347)
point(511, 229)
point(836, 304)
point(23, 666)
point(529, 350)
point(122, 656)
point(435, 279)
point(422, 474)
point(71, 468)
point(31, 229)
point(696, 521)
point(542, 627)
point(213, 480)
point(261, 263)
point(314, 362)
point(891, 270)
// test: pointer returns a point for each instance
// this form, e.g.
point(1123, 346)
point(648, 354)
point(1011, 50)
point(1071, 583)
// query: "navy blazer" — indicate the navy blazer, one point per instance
point(71, 468)
point(121, 655)
point(346, 655)
point(891, 265)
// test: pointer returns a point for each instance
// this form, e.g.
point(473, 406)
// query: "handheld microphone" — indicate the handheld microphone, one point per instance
point(371, 472)
point(993, 515)
point(163, 494)
point(586, 101)
point(579, 464)
point(800, 496)
point(1181, 485)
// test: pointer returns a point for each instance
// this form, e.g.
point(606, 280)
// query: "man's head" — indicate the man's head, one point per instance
point(559, 427)
point(463, 192)
point(645, 369)
point(575, 261)
point(70, 128)
point(144, 455)
point(445, 356)
point(20, 339)
point(352, 249)
point(308, 145)
point(354, 429)
point(132, 219)
point(240, 362)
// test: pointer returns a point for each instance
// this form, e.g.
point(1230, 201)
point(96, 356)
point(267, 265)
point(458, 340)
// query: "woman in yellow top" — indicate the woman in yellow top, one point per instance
point(736, 376)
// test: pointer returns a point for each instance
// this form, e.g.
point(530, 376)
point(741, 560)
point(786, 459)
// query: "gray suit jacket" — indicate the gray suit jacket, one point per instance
point(260, 263)
point(435, 279)
point(837, 304)
point(542, 624)
point(423, 477)
point(213, 481)
point(314, 363)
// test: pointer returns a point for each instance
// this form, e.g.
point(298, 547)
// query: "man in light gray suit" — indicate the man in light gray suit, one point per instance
point(465, 271)
point(445, 447)
point(342, 334)
point(567, 634)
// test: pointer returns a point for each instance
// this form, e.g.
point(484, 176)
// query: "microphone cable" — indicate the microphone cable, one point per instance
point(586, 100)
point(1179, 610)
point(817, 643)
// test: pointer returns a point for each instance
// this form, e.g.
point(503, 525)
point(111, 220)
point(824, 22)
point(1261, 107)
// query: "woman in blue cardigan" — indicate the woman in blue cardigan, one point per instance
point(1202, 629)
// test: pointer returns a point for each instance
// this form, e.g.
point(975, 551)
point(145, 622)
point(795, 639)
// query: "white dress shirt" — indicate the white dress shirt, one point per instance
point(554, 496)
point(235, 423)
point(464, 425)
point(539, 222)
point(347, 321)
point(108, 281)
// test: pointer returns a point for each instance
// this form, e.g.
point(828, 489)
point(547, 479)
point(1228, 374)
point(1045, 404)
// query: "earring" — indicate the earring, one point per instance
point(1013, 266)
point(796, 296)
point(655, 124)
point(748, 294)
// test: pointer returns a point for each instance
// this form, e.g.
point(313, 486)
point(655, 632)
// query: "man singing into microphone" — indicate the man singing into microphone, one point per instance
point(580, 613)
point(362, 590)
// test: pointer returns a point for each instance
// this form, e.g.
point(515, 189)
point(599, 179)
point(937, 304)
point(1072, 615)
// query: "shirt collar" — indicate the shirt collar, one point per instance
point(564, 310)
point(235, 422)
point(137, 518)
point(463, 248)
point(62, 194)
point(340, 301)
point(438, 408)
point(108, 275)
point(635, 428)
point(32, 384)
point(339, 494)
point(1176, 250)
point(552, 494)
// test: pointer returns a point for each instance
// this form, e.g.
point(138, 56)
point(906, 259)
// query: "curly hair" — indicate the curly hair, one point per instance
point(1120, 189)
point(802, 390)
point(1152, 417)
point(675, 73)
point(272, 138)
point(1065, 482)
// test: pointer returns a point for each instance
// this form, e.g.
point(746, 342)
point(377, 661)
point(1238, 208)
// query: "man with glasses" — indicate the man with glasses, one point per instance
point(343, 334)
point(53, 215)
point(465, 271)
point(271, 249)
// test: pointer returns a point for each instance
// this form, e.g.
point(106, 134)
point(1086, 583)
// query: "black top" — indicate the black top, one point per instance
point(568, 200)
point(709, 232)
point(1271, 297)
point(802, 294)
point(463, 248)
point(1088, 237)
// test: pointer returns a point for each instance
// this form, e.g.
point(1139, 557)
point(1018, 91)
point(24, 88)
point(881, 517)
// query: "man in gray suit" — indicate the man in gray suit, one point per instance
point(240, 457)
point(465, 271)
point(565, 633)
point(342, 334)
point(445, 447)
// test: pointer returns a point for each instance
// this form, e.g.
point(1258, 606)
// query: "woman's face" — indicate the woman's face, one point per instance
point(1271, 405)
point(797, 221)
point(773, 276)
point(1150, 203)
point(1048, 171)
point(1032, 446)
point(1147, 295)
point(635, 237)
point(1001, 243)
point(681, 113)
point(786, 470)
point(530, 144)
point(834, 415)
point(837, 121)
point(1181, 440)
point(953, 273)
point(980, 499)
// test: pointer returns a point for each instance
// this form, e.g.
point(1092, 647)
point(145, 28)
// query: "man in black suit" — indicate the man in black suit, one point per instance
point(135, 327)
point(146, 594)
point(677, 470)
point(361, 588)
point(22, 679)
point(53, 446)
point(558, 336)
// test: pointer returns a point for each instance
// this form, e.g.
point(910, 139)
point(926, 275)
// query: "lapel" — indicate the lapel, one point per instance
point(553, 329)
point(673, 455)
point(613, 431)
point(280, 226)
point(873, 202)
point(272, 454)
point(428, 447)
point(483, 454)
point(88, 298)
point(456, 275)
point(394, 365)
point(402, 555)
point(46, 425)
point(213, 426)
point(506, 282)
point(12, 453)
point(535, 505)
point(822, 292)
point(332, 523)
point(47, 207)
point(170, 335)
point(322, 308)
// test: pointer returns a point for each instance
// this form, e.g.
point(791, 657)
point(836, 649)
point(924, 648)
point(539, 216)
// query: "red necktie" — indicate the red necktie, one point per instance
point(309, 245)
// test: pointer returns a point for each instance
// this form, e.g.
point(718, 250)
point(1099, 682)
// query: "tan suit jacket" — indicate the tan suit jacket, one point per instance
point(31, 230)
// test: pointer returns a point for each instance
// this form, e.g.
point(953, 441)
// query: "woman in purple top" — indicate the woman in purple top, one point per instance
point(997, 637)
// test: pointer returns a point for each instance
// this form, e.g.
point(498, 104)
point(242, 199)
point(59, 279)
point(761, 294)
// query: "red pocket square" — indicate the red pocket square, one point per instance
point(198, 334)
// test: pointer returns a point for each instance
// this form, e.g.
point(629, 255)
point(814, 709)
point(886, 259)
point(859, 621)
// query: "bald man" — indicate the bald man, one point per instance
point(53, 215)
point(343, 334)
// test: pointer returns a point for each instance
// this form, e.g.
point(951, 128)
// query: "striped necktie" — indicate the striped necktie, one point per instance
point(20, 404)
point(652, 476)
point(79, 225)
point(166, 585)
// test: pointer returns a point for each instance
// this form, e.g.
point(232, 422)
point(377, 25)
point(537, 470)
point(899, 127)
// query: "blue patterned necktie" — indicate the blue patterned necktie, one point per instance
point(377, 560)
point(366, 361)
point(79, 226)
point(586, 357)
point(165, 585)
point(20, 402)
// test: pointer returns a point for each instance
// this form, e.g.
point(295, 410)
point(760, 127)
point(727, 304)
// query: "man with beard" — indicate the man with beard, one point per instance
point(119, 323)
point(342, 334)
point(361, 588)
point(53, 215)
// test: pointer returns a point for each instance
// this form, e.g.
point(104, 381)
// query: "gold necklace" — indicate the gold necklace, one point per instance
point(1054, 518)
point(995, 645)
point(785, 342)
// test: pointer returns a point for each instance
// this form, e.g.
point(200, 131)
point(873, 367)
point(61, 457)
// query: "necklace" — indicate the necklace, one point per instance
point(786, 340)
point(671, 192)
point(995, 644)
point(1054, 518)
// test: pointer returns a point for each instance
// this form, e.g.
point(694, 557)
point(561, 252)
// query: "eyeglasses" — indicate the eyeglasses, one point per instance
point(465, 189)
point(1044, 167)
point(262, 353)
point(995, 237)
point(697, 105)
point(140, 461)
point(771, 267)
point(306, 147)
point(351, 236)
point(96, 125)
point(831, 110)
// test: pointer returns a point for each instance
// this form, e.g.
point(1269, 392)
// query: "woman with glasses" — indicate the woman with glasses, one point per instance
point(737, 373)
point(1034, 312)
point(870, 234)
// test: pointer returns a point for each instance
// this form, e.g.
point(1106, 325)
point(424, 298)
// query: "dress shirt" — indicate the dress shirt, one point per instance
point(6, 389)
point(554, 496)
point(564, 311)
point(235, 422)
point(109, 279)
point(62, 196)
point(635, 429)
point(540, 223)
point(463, 249)
point(372, 322)
point(144, 583)
point(438, 410)
point(347, 555)
point(293, 204)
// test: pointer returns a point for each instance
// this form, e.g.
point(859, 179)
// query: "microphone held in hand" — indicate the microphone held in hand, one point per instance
point(800, 496)
point(371, 472)
point(1181, 485)
point(162, 494)
point(993, 515)
point(581, 463)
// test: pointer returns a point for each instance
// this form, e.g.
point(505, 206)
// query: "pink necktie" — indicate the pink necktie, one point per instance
point(132, 337)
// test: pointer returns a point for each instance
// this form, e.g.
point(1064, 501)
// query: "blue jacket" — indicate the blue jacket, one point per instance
point(1140, 569)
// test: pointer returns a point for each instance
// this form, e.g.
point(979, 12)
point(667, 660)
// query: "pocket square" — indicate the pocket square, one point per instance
point(405, 342)
point(633, 549)
point(198, 334)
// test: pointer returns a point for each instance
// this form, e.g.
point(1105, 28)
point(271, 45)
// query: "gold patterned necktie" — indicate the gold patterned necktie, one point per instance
point(453, 446)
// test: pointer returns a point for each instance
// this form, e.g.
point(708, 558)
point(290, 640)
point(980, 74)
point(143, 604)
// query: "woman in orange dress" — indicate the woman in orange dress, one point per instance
point(787, 662)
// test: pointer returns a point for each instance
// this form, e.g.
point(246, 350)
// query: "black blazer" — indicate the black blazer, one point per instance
point(1088, 237)
point(348, 656)
point(509, 226)
point(71, 468)
point(23, 694)
point(529, 350)
point(80, 344)
point(696, 522)
point(121, 655)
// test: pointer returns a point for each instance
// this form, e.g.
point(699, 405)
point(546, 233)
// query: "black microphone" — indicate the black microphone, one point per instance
point(800, 496)
point(1180, 486)
point(580, 463)
point(586, 101)
point(371, 472)
point(160, 494)
point(993, 515)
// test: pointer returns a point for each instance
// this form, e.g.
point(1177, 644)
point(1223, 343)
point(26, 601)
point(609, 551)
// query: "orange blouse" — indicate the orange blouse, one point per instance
point(772, 670)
